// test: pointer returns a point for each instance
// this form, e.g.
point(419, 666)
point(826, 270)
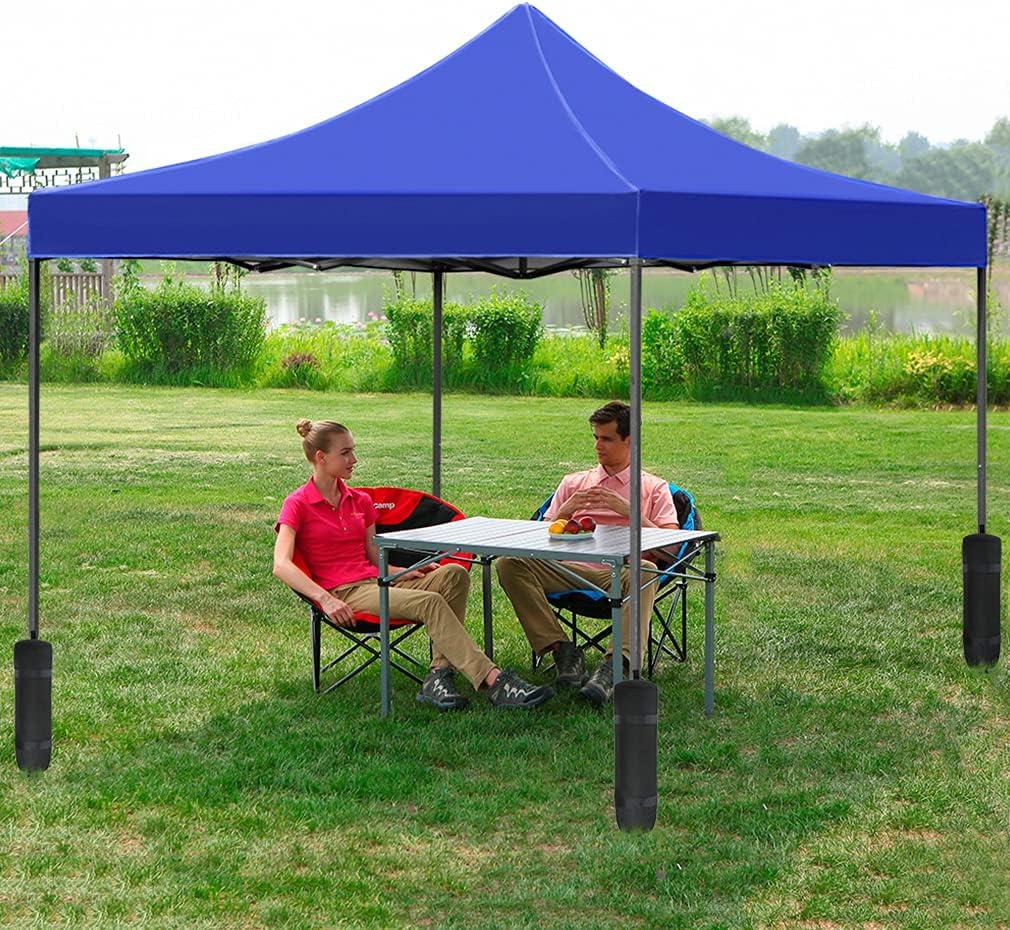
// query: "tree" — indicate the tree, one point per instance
point(784, 140)
point(739, 128)
point(999, 135)
point(912, 145)
point(594, 290)
point(962, 172)
point(842, 151)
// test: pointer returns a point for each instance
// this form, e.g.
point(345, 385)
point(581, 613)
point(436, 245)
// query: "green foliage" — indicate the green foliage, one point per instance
point(180, 328)
point(409, 331)
point(347, 358)
point(84, 330)
point(594, 292)
point(484, 344)
point(505, 331)
point(739, 128)
point(963, 172)
point(842, 151)
point(85, 265)
point(14, 320)
point(916, 370)
point(784, 140)
point(778, 340)
point(14, 314)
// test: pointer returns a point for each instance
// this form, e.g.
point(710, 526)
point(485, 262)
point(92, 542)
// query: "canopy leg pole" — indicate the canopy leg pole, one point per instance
point(33, 657)
point(635, 486)
point(981, 349)
point(636, 700)
point(436, 412)
point(34, 337)
point(981, 553)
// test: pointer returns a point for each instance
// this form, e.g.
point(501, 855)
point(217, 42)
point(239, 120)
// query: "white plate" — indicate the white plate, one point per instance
point(568, 537)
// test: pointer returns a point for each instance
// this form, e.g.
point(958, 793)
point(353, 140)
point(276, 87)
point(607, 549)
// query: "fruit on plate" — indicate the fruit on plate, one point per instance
point(558, 526)
point(587, 524)
point(572, 527)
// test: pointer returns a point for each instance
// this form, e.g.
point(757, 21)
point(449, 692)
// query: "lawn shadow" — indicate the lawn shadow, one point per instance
point(519, 805)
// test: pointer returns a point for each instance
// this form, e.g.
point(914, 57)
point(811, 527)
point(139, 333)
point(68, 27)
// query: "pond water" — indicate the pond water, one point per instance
point(932, 300)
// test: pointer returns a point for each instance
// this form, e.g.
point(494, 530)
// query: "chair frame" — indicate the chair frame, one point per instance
point(672, 592)
point(359, 636)
point(365, 630)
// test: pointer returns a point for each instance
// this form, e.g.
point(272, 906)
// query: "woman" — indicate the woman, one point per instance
point(333, 526)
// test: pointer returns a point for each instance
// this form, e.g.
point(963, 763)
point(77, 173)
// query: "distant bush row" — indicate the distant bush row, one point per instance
point(781, 344)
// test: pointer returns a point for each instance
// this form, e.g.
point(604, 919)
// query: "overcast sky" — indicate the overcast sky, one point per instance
point(181, 80)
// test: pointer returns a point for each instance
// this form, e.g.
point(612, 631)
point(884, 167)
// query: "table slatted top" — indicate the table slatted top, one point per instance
point(530, 539)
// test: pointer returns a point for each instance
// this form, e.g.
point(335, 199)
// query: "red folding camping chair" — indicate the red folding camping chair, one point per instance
point(398, 509)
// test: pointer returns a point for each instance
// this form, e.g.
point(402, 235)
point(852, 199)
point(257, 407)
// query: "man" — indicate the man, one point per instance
point(601, 493)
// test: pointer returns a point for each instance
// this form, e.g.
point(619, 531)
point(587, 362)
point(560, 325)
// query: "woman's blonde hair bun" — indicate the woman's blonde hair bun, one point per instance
point(304, 427)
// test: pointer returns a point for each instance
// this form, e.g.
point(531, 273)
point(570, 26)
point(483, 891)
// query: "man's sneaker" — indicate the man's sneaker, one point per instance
point(509, 690)
point(570, 666)
point(600, 687)
point(439, 690)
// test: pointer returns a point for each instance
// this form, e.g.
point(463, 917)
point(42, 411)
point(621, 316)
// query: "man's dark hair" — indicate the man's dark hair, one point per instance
point(615, 412)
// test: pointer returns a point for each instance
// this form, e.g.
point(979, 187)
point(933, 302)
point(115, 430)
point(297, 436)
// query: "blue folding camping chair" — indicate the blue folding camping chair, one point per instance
point(669, 606)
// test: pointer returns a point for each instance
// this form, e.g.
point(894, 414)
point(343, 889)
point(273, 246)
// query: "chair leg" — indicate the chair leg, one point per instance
point(683, 624)
point(357, 642)
point(315, 633)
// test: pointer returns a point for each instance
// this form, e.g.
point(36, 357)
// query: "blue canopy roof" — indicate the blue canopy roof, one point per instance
point(519, 153)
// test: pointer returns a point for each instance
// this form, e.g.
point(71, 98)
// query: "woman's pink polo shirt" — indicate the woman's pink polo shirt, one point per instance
point(331, 539)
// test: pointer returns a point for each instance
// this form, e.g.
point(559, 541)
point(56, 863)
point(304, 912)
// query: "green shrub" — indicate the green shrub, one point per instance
point(303, 368)
point(349, 357)
point(14, 321)
point(409, 331)
point(84, 330)
point(485, 344)
point(505, 329)
point(916, 370)
point(772, 343)
point(180, 328)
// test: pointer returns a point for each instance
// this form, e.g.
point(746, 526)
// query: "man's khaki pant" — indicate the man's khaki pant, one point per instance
point(438, 600)
point(527, 582)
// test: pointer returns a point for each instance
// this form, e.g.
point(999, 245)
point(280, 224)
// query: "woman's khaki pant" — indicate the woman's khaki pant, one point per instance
point(438, 600)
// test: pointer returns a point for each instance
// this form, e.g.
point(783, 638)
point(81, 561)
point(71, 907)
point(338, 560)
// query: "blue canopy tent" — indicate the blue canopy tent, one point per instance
point(520, 154)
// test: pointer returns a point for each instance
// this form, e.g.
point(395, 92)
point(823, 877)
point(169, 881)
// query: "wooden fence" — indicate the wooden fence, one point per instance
point(77, 289)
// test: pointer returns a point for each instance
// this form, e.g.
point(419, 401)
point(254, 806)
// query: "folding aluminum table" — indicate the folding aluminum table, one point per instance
point(488, 538)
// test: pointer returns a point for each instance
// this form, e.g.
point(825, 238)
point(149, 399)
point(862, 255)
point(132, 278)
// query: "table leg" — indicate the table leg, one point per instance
point(616, 639)
point(709, 627)
point(384, 633)
point(485, 571)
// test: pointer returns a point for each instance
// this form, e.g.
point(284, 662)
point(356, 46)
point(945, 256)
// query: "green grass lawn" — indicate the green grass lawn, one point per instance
point(855, 773)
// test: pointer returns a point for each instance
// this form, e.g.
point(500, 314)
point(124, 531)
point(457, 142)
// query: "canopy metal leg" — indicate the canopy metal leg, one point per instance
point(386, 702)
point(34, 337)
point(981, 349)
point(635, 486)
point(636, 702)
point(981, 552)
point(33, 657)
point(438, 280)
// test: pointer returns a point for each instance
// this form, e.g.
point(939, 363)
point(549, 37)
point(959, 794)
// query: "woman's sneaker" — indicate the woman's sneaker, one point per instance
point(439, 690)
point(509, 690)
